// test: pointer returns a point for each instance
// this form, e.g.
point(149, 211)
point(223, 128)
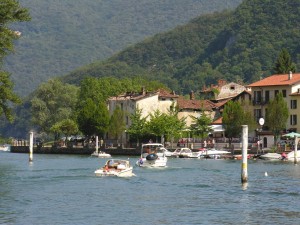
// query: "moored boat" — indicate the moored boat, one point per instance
point(270, 156)
point(101, 154)
point(117, 168)
point(152, 155)
point(4, 148)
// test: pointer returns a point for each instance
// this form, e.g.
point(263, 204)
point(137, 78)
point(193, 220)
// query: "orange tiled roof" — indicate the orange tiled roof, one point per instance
point(277, 80)
point(195, 104)
point(218, 121)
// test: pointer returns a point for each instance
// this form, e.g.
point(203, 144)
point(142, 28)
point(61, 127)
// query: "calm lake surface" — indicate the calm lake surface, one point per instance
point(62, 189)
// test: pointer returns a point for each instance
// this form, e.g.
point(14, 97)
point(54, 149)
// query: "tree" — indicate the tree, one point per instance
point(277, 115)
point(138, 124)
point(117, 124)
point(10, 11)
point(202, 125)
point(53, 102)
point(66, 127)
point(157, 124)
point(233, 119)
point(284, 63)
point(92, 118)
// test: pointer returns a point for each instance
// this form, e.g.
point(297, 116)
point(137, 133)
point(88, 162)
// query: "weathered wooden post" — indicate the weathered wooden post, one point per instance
point(296, 150)
point(97, 144)
point(244, 174)
point(31, 147)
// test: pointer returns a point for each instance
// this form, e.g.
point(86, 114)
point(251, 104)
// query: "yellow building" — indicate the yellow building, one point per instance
point(266, 89)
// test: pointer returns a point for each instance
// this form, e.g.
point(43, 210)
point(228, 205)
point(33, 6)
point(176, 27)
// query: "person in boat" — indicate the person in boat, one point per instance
point(283, 156)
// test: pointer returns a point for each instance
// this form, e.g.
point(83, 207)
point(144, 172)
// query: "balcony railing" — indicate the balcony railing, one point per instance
point(261, 101)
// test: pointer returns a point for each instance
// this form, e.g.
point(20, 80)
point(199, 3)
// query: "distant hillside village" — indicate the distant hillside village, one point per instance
point(215, 97)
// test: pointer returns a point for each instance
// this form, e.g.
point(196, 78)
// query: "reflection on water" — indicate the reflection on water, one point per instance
point(62, 189)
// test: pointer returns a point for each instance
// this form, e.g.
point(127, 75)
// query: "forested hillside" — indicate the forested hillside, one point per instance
point(240, 45)
point(64, 35)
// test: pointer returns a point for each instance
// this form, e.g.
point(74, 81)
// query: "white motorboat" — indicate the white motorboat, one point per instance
point(270, 156)
point(291, 156)
point(182, 153)
point(167, 152)
point(4, 148)
point(213, 153)
point(152, 155)
point(196, 154)
point(117, 168)
point(101, 154)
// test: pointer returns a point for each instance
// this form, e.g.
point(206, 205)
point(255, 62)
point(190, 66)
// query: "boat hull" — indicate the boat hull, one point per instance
point(114, 173)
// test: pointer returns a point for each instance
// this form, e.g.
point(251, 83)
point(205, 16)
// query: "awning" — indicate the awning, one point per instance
point(217, 128)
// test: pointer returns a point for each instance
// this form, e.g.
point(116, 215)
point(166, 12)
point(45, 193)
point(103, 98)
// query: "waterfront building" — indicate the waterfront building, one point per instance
point(266, 89)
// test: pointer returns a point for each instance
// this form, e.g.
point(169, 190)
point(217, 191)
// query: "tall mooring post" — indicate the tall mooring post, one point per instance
point(31, 147)
point(295, 151)
point(97, 146)
point(244, 174)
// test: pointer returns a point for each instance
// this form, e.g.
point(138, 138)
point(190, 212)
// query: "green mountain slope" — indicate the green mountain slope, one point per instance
point(64, 35)
point(239, 46)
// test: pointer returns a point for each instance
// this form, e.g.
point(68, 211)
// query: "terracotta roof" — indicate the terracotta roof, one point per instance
point(218, 121)
point(195, 104)
point(166, 94)
point(162, 93)
point(277, 80)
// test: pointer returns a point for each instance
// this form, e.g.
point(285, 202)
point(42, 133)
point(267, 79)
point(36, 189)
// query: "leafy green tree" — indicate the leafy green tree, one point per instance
point(92, 118)
point(10, 11)
point(233, 119)
point(53, 102)
point(284, 63)
point(174, 126)
point(202, 125)
point(117, 124)
point(137, 127)
point(277, 115)
point(67, 127)
point(157, 124)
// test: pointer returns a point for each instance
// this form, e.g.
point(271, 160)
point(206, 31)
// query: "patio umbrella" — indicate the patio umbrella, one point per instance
point(291, 135)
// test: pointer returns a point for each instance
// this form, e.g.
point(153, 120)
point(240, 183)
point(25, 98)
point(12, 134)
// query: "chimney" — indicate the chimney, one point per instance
point(192, 95)
point(290, 75)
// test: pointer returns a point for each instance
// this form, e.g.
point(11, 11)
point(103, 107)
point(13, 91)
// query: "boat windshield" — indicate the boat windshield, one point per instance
point(152, 148)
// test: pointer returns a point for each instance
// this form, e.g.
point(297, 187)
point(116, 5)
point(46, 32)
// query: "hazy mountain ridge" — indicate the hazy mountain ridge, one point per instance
point(64, 35)
point(241, 45)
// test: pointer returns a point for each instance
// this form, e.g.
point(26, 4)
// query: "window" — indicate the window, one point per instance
point(284, 93)
point(293, 119)
point(276, 92)
point(127, 120)
point(257, 114)
point(257, 96)
point(293, 104)
point(267, 96)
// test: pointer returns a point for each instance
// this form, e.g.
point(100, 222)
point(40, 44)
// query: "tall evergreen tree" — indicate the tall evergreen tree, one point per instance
point(116, 123)
point(10, 11)
point(277, 115)
point(284, 63)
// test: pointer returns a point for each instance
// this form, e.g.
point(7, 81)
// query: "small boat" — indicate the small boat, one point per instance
point(291, 156)
point(182, 153)
point(117, 168)
point(196, 155)
point(152, 155)
point(213, 153)
point(4, 148)
point(101, 154)
point(270, 156)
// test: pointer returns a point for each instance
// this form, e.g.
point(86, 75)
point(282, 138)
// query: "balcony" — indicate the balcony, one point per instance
point(261, 101)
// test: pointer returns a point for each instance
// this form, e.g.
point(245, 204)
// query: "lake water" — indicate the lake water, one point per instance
point(62, 189)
